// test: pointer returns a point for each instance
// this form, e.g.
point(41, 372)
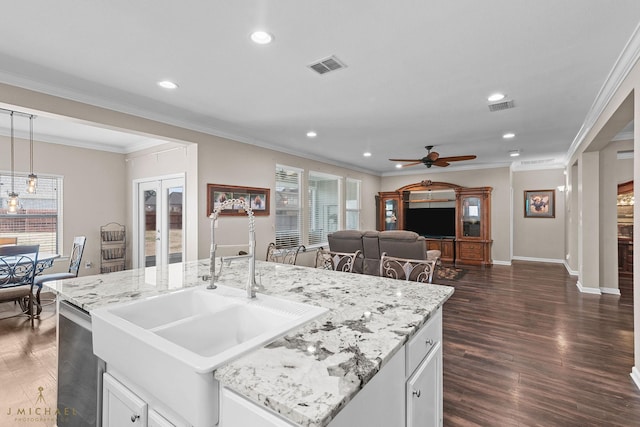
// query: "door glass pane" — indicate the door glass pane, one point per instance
point(471, 217)
point(390, 215)
point(150, 209)
point(174, 197)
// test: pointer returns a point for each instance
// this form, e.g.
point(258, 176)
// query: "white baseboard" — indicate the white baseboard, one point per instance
point(569, 270)
point(526, 258)
point(635, 376)
point(610, 291)
point(587, 290)
point(501, 262)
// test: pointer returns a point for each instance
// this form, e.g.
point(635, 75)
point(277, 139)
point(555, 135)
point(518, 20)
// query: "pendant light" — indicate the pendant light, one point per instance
point(13, 201)
point(32, 179)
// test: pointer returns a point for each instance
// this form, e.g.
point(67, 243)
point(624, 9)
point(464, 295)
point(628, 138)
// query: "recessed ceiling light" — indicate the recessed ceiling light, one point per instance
point(495, 97)
point(399, 166)
point(311, 134)
point(514, 153)
point(167, 84)
point(509, 135)
point(366, 154)
point(261, 37)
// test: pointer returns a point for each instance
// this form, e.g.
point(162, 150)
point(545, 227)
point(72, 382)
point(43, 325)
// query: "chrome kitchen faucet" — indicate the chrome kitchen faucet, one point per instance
point(251, 280)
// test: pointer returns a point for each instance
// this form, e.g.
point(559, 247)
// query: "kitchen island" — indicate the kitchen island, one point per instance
point(309, 376)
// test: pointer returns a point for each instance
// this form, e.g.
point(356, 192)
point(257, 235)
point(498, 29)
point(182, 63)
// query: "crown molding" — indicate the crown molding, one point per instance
point(621, 69)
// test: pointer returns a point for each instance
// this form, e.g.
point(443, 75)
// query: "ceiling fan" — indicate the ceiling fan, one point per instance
point(433, 158)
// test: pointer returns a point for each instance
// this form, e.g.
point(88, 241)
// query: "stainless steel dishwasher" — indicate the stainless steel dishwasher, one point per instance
point(79, 370)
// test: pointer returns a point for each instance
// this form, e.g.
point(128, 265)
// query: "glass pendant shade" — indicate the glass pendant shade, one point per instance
point(32, 182)
point(13, 203)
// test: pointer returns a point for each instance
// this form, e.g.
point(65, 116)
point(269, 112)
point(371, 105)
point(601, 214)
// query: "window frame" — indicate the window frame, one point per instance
point(311, 212)
point(20, 179)
point(280, 236)
point(357, 210)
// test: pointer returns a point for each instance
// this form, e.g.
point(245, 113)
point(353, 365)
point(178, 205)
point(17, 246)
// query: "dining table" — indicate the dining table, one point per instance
point(45, 260)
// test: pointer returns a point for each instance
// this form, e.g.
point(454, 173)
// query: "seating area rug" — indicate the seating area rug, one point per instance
point(446, 272)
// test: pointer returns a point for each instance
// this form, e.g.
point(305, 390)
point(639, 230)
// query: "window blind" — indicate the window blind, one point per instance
point(37, 220)
point(288, 207)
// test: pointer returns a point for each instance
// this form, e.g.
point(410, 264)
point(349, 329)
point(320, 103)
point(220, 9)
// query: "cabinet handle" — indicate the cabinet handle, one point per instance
point(135, 418)
point(429, 342)
point(416, 393)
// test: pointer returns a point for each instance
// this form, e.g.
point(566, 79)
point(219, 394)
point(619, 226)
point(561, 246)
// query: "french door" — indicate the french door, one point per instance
point(160, 220)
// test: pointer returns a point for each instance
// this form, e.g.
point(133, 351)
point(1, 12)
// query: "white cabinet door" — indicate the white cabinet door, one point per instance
point(120, 406)
point(424, 392)
point(236, 411)
point(157, 420)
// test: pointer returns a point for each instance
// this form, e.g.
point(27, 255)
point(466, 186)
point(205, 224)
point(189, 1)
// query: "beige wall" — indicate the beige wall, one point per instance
point(93, 186)
point(538, 238)
point(169, 160)
point(219, 161)
point(497, 178)
point(222, 161)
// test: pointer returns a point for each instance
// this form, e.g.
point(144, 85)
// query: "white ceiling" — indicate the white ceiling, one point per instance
point(418, 72)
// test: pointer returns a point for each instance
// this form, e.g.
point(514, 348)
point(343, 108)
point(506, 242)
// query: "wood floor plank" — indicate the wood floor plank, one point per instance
point(28, 363)
point(523, 347)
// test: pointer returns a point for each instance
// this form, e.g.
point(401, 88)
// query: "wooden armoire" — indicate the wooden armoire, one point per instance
point(472, 242)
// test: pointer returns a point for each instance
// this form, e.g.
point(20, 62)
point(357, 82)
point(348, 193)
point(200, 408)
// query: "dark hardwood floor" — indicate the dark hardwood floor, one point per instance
point(522, 347)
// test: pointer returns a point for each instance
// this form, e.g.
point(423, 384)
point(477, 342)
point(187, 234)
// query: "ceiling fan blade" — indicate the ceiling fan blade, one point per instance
point(433, 156)
point(405, 160)
point(441, 163)
point(457, 158)
point(418, 162)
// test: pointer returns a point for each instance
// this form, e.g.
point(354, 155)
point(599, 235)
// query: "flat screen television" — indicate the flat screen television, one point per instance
point(431, 222)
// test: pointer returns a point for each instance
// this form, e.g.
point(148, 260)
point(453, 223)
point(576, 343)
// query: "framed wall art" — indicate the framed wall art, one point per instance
point(258, 199)
point(540, 203)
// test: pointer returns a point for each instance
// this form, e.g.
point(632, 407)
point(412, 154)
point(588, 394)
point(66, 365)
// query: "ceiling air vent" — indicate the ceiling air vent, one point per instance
point(328, 64)
point(499, 106)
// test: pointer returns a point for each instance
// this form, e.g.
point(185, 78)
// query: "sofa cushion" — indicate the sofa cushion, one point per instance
point(402, 244)
point(345, 240)
point(396, 243)
point(348, 241)
point(371, 253)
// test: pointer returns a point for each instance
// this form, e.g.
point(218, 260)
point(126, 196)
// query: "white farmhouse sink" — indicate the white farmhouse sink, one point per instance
point(170, 344)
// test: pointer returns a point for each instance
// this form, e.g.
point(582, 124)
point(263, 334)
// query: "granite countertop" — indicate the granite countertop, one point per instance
point(313, 372)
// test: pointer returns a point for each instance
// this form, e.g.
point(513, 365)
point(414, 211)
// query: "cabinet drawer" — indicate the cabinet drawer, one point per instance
point(470, 250)
point(423, 342)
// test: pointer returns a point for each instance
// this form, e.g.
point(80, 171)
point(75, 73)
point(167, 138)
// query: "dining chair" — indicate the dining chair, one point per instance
point(17, 270)
point(75, 258)
point(338, 261)
point(283, 255)
point(414, 270)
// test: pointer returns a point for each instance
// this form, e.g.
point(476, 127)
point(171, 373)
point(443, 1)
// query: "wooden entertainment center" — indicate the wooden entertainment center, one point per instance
point(472, 241)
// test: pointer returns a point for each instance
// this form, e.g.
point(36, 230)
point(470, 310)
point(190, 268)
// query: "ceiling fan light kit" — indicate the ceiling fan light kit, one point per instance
point(433, 159)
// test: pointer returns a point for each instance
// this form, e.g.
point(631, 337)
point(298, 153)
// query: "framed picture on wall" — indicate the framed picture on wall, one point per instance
point(256, 198)
point(540, 203)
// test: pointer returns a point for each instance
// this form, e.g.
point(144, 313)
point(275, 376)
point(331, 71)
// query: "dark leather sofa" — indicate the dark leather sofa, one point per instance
point(396, 243)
